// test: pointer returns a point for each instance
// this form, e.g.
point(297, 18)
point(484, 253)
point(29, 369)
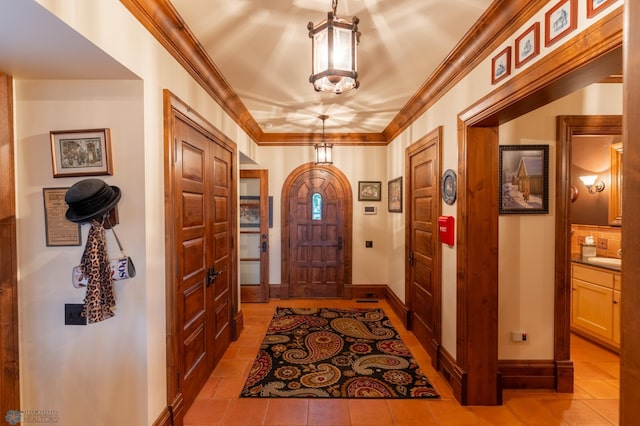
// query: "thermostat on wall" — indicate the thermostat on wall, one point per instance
point(370, 210)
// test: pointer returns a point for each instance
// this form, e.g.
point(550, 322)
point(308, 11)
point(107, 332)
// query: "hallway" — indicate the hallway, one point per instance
point(594, 402)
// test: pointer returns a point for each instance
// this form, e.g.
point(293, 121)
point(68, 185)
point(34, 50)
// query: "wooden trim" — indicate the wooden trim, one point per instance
point(238, 325)
point(527, 374)
point(9, 326)
point(500, 21)
point(496, 24)
point(630, 323)
point(163, 22)
point(566, 69)
point(477, 263)
point(348, 222)
point(164, 419)
point(454, 375)
point(398, 307)
point(365, 291)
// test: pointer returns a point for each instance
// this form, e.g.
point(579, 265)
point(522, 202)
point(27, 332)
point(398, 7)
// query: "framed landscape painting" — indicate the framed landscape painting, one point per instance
point(524, 179)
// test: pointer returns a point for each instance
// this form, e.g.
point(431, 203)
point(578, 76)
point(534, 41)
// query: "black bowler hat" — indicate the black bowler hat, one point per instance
point(89, 199)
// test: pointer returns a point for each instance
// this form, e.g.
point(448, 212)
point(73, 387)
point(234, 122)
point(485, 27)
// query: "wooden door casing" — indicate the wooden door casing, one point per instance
point(259, 293)
point(202, 299)
point(316, 253)
point(423, 279)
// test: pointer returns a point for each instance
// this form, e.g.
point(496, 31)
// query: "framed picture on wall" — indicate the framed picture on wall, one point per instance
point(369, 191)
point(81, 152)
point(528, 45)
point(395, 195)
point(560, 20)
point(58, 230)
point(524, 179)
point(501, 65)
point(596, 6)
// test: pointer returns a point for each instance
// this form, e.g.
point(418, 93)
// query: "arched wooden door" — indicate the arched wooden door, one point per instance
point(316, 235)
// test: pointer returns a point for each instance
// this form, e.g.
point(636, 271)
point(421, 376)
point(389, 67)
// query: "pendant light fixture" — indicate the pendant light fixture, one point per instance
point(324, 154)
point(334, 46)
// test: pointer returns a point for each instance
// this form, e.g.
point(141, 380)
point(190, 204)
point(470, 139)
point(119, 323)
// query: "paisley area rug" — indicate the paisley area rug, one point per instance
point(334, 353)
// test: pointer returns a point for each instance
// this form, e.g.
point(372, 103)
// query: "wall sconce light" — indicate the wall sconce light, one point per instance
point(324, 154)
point(334, 53)
point(593, 186)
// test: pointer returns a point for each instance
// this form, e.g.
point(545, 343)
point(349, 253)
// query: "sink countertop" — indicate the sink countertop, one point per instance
point(585, 261)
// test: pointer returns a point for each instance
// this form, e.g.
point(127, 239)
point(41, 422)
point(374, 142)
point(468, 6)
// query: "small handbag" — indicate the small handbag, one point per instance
point(121, 268)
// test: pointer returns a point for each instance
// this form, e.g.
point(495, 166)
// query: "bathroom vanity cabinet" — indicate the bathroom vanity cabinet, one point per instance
point(595, 304)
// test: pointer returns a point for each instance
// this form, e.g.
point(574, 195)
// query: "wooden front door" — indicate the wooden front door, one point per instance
point(423, 282)
point(317, 204)
point(201, 270)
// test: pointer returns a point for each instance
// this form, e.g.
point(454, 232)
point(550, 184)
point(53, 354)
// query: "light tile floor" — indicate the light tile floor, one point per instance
point(594, 402)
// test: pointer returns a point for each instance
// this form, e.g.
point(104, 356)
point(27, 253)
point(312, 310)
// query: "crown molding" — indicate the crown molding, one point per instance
point(497, 23)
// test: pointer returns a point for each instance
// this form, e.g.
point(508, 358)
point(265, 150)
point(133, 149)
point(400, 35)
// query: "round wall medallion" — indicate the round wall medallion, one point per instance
point(449, 187)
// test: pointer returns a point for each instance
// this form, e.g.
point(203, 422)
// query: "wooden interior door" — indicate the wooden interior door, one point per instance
point(220, 281)
point(316, 239)
point(254, 235)
point(200, 303)
point(423, 279)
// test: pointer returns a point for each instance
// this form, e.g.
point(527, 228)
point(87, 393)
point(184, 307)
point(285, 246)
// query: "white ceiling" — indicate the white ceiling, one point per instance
point(263, 50)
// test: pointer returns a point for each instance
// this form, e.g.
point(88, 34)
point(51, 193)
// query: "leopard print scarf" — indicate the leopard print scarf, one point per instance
point(100, 298)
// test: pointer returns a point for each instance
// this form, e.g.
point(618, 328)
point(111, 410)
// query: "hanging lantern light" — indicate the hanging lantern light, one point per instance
point(334, 45)
point(324, 154)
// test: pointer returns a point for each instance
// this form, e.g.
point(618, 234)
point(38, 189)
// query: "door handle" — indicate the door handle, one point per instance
point(212, 275)
point(339, 243)
point(264, 246)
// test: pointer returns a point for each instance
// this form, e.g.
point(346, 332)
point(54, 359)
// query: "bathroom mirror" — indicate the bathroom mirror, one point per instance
point(615, 194)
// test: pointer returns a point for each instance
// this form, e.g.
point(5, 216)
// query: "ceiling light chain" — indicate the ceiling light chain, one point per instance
point(334, 46)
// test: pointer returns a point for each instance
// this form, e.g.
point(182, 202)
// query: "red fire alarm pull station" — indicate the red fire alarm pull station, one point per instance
point(446, 225)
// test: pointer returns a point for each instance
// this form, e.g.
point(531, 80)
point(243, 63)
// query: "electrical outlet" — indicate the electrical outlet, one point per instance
point(73, 314)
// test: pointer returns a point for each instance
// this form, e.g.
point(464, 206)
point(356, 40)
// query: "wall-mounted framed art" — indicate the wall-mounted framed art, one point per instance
point(395, 195)
point(560, 20)
point(501, 65)
point(369, 190)
point(81, 152)
point(527, 45)
point(523, 179)
point(596, 6)
point(59, 231)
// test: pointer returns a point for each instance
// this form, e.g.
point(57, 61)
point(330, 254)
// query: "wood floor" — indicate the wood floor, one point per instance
point(594, 402)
